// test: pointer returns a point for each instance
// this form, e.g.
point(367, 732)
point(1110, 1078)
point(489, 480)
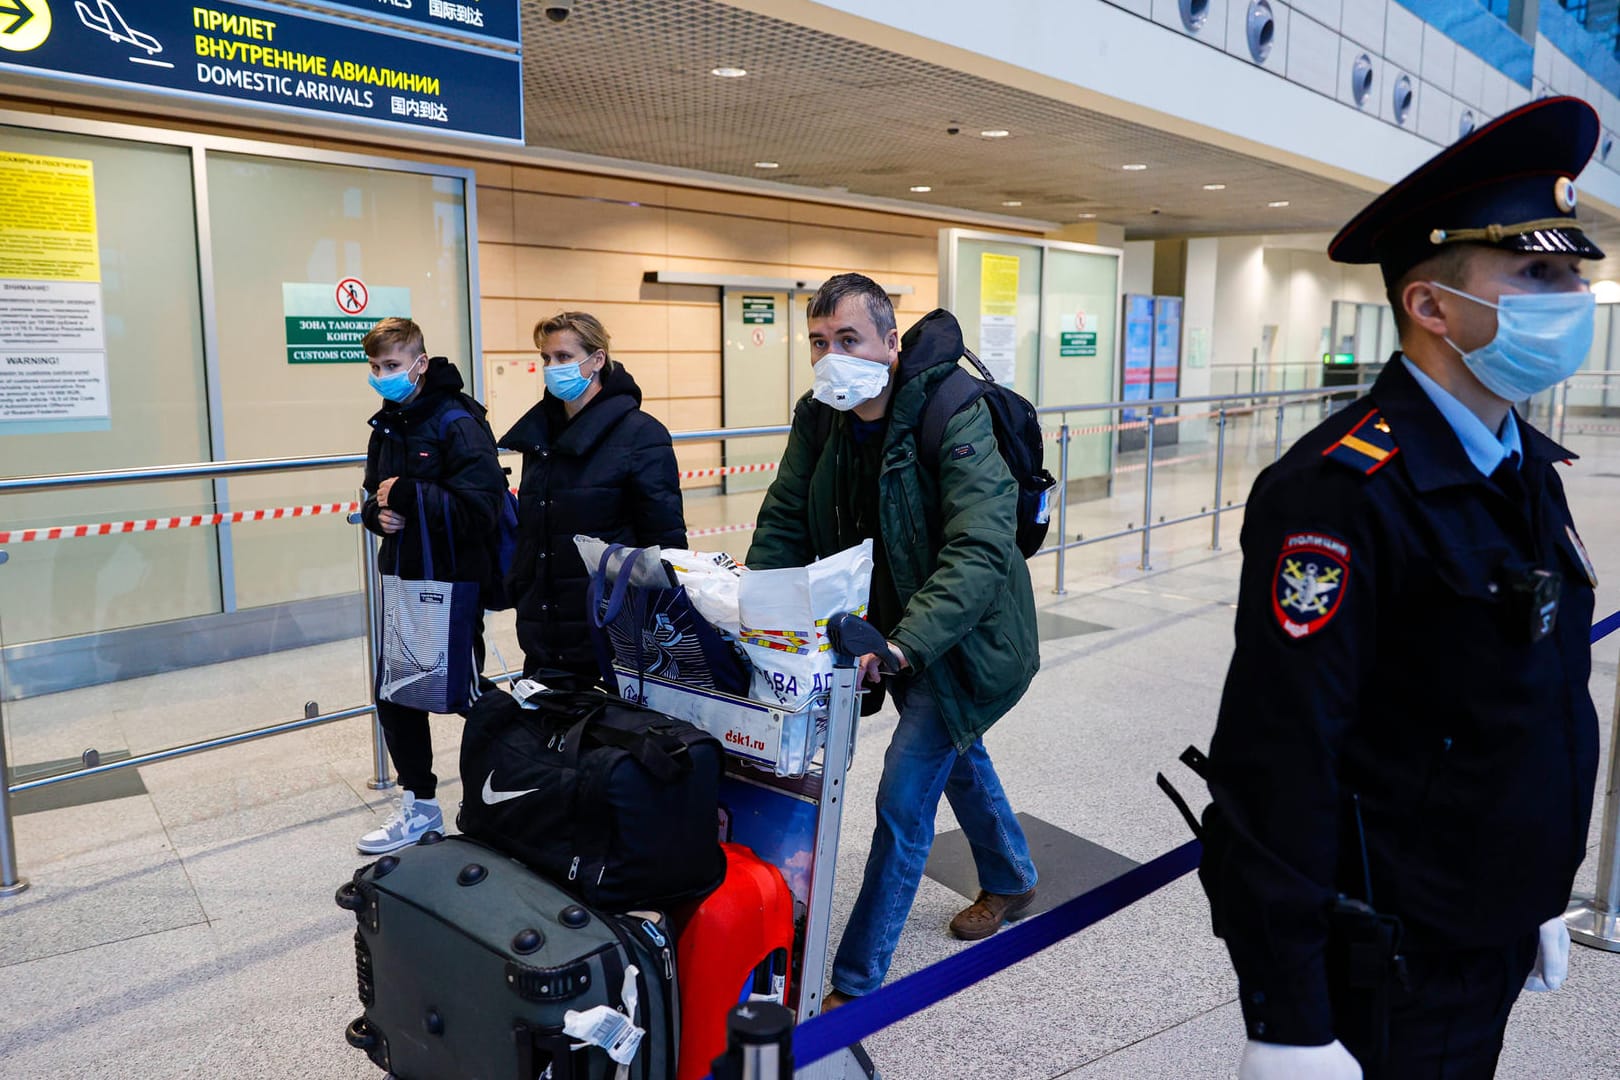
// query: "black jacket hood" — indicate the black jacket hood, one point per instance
point(934, 339)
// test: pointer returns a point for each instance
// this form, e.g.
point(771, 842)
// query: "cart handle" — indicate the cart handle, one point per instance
point(853, 636)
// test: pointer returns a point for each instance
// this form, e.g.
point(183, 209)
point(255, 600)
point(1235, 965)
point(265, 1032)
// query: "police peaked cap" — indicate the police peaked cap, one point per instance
point(1509, 185)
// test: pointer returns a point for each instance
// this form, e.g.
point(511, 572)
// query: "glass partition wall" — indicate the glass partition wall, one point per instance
point(220, 288)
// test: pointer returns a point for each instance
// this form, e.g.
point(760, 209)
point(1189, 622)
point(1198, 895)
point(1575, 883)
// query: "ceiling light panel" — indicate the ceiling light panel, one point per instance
point(840, 113)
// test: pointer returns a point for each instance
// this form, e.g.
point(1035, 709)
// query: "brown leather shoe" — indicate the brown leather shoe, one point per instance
point(985, 916)
point(834, 999)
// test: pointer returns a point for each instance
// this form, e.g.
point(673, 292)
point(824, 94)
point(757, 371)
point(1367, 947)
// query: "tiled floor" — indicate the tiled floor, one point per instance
point(189, 931)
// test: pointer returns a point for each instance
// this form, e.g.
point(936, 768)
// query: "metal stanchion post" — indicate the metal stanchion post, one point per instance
point(1063, 507)
point(1595, 920)
point(1220, 466)
point(1282, 413)
point(1563, 409)
point(10, 883)
point(380, 779)
point(1147, 499)
point(759, 1044)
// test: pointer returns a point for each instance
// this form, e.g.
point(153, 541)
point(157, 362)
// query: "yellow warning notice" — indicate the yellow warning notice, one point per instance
point(998, 284)
point(48, 232)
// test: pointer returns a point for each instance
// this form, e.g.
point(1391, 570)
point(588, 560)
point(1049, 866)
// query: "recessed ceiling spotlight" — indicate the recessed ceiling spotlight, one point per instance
point(1279, 203)
point(994, 133)
point(1013, 202)
point(1214, 187)
point(1133, 168)
point(921, 189)
point(1087, 215)
point(728, 72)
point(767, 165)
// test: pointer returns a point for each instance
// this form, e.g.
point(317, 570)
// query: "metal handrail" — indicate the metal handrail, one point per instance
point(206, 470)
point(202, 470)
point(1207, 399)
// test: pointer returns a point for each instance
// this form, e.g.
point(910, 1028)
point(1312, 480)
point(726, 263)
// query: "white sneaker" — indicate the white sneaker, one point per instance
point(411, 818)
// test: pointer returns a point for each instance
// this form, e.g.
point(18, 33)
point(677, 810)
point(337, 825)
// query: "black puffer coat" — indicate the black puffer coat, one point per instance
point(608, 473)
point(455, 477)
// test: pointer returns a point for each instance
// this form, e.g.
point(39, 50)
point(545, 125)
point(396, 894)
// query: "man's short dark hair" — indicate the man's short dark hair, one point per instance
point(1447, 266)
point(835, 290)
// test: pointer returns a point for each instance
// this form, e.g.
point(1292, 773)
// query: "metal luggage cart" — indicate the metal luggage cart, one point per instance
point(785, 773)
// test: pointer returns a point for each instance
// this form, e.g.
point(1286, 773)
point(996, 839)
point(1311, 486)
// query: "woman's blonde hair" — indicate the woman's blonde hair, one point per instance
point(585, 326)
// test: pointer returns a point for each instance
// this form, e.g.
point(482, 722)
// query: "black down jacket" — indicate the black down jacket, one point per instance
point(608, 473)
point(447, 473)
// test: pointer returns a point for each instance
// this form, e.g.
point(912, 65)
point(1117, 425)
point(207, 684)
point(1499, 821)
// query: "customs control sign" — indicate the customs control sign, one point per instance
point(326, 321)
point(268, 57)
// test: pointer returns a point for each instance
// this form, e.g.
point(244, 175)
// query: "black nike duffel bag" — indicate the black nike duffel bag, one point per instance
point(615, 803)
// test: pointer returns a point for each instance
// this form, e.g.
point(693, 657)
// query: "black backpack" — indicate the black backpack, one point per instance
point(1018, 429)
point(503, 539)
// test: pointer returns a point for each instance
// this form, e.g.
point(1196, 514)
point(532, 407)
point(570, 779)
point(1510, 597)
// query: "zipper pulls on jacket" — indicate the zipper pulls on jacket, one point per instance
point(573, 868)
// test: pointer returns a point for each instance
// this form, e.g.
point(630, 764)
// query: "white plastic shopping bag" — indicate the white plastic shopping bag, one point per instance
point(784, 615)
point(711, 580)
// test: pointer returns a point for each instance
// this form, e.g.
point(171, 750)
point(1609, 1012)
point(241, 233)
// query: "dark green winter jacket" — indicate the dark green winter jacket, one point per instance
point(949, 534)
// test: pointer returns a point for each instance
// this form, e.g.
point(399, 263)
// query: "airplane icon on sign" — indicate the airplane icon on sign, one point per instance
point(105, 19)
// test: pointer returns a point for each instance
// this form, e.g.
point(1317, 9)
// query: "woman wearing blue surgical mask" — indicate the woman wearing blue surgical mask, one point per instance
point(595, 465)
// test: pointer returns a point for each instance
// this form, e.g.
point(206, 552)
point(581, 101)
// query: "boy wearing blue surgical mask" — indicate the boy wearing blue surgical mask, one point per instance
point(594, 464)
point(423, 463)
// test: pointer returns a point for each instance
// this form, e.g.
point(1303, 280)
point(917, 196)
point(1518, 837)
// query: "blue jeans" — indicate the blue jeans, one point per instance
point(922, 762)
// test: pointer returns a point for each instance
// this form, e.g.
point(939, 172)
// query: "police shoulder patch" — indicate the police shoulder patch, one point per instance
point(1308, 588)
point(1368, 447)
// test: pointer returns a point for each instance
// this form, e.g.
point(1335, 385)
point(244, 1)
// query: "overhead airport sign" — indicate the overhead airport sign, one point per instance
point(269, 58)
point(496, 20)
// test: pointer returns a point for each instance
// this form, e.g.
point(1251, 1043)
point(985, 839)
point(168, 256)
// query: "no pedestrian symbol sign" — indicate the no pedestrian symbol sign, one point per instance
point(352, 296)
point(327, 323)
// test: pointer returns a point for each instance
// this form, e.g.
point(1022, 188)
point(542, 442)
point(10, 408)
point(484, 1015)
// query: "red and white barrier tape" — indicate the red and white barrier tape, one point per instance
point(110, 528)
point(718, 529)
point(727, 470)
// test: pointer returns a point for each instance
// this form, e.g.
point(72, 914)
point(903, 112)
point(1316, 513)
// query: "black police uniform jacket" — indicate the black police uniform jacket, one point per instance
point(1385, 655)
point(449, 479)
point(609, 473)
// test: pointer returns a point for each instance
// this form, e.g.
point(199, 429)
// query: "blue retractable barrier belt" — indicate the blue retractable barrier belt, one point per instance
point(831, 1032)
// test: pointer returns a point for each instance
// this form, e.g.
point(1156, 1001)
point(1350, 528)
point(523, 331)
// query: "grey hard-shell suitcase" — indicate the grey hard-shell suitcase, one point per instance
point(468, 962)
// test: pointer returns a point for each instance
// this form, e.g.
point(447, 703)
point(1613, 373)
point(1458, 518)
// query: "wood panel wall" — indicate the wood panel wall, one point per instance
point(552, 239)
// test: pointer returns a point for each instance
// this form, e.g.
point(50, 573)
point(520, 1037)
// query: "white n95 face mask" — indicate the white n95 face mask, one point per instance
point(1541, 340)
point(847, 381)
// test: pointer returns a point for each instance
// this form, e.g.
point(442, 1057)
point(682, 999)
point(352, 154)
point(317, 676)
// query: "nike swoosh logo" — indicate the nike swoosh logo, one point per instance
point(491, 796)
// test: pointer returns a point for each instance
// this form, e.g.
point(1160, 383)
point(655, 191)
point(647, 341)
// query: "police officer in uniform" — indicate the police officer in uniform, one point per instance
point(1403, 766)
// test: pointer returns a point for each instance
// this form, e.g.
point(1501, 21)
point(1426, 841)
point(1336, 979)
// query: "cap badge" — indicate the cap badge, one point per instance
point(1564, 194)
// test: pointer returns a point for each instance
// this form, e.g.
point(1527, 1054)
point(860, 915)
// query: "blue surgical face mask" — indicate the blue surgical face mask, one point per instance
point(1541, 340)
point(396, 387)
point(565, 380)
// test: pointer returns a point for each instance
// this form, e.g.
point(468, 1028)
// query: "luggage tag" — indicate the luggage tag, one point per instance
point(612, 1030)
point(524, 689)
point(606, 1027)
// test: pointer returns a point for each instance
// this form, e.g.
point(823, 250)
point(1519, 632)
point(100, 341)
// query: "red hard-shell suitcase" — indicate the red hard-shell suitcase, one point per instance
point(734, 947)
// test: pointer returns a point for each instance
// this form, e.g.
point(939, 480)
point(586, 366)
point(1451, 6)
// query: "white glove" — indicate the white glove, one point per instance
point(1552, 957)
point(1275, 1061)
